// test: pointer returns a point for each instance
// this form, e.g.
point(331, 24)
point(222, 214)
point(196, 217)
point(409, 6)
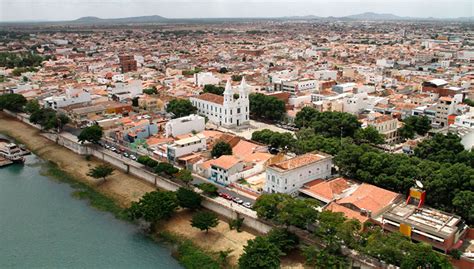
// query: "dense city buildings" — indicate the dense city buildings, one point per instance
point(349, 114)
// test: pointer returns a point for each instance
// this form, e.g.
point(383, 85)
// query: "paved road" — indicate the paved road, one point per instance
point(197, 179)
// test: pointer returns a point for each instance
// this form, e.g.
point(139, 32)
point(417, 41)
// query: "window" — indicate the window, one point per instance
point(238, 110)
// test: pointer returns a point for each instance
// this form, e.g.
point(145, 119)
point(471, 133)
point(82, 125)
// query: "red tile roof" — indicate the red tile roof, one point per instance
point(210, 97)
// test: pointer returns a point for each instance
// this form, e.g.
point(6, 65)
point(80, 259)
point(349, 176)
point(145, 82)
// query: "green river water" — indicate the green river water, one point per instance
point(43, 226)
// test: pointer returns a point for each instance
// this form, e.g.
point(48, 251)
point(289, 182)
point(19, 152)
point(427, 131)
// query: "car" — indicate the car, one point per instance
point(247, 205)
point(125, 154)
point(238, 200)
point(113, 149)
point(225, 195)
point(107, 146)
point(133, 157)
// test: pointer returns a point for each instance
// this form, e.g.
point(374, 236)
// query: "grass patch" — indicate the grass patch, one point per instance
point(188, 254)
point(85, 192)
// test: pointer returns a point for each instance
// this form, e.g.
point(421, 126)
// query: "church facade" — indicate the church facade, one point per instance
point(230, 110)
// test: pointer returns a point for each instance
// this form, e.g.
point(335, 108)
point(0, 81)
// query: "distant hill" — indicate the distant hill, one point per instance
point(141, 19)
point(371, 16)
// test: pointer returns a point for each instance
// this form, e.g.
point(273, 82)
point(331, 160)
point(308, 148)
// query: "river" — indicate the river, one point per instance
point(43, 226)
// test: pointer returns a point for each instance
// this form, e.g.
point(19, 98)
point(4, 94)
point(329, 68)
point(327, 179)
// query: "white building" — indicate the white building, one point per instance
point(71, 97)
point(201, 79)
point(185, 125)
point(225, 169)
point(186, 146)
point(345, 87)
point(229, 110)
point(465, 120)
point(126, 90)
point(297, 86)
point(290, 175)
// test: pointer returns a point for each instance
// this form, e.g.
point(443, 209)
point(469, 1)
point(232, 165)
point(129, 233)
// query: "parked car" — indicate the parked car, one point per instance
point(113, 149)
point(238, 200)
point(225, 195)
point(133, 157)
point(107, 146)
point(125, 154)
point(247, 205)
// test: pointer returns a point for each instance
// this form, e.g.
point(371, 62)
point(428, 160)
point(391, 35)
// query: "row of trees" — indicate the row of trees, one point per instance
point(333, 230)
point(209, 88)
point(15, 60)
point(47, 118)
point(160, 205)
point(328, 124)
point(266, 107)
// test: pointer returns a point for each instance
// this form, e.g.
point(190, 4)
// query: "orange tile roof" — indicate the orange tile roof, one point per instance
point(370, 197)
point(328, 189)
point(225, 161)
point(348, 213)
point(210, 97)
point(298, 161)
point(244, 148)
point(258, 157)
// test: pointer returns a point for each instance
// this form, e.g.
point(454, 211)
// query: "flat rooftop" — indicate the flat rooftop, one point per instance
point(425, 218)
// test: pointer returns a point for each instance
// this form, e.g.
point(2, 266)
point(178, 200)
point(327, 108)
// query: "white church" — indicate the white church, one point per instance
point(225, 111)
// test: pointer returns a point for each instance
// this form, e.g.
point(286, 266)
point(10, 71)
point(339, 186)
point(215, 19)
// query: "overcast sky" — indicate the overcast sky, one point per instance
point(20, 10)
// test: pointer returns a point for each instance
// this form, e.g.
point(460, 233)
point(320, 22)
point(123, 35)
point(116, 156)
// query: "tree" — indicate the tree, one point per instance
point(32, 106)
point(223, 70)
point(221, 148)
point(63, 119)
point(419, 124)
point(135, 101)
point(283, 239)
point(407, 132)
point(209, 88)
point(188, 198)
point(150, 91)
point(266, 107)
point(180, 108)
point(267, 205)
point(208, 188)
point(275, 139)
point(297, 212)
point(166, 169)
point(440, 148)
point(185, 176)
point(305, 116)
point(236, 77)
point(368, 135)
point(48, 118)
point(469, 102)
point(328, 123)
point(12, 101)
point(204, 220)
point(154, 206)
point(260, 253)
point(323, 258)
point(463, 202)
point(101, 171)
point(91, 134)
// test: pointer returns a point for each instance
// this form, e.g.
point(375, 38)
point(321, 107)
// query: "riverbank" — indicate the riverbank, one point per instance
point(121, 188)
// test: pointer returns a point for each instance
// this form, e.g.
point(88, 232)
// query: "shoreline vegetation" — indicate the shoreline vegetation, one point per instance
point(182, 249)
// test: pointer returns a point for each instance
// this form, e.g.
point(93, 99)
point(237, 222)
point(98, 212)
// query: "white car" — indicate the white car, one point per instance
point(247, 205)
point(133, 157)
